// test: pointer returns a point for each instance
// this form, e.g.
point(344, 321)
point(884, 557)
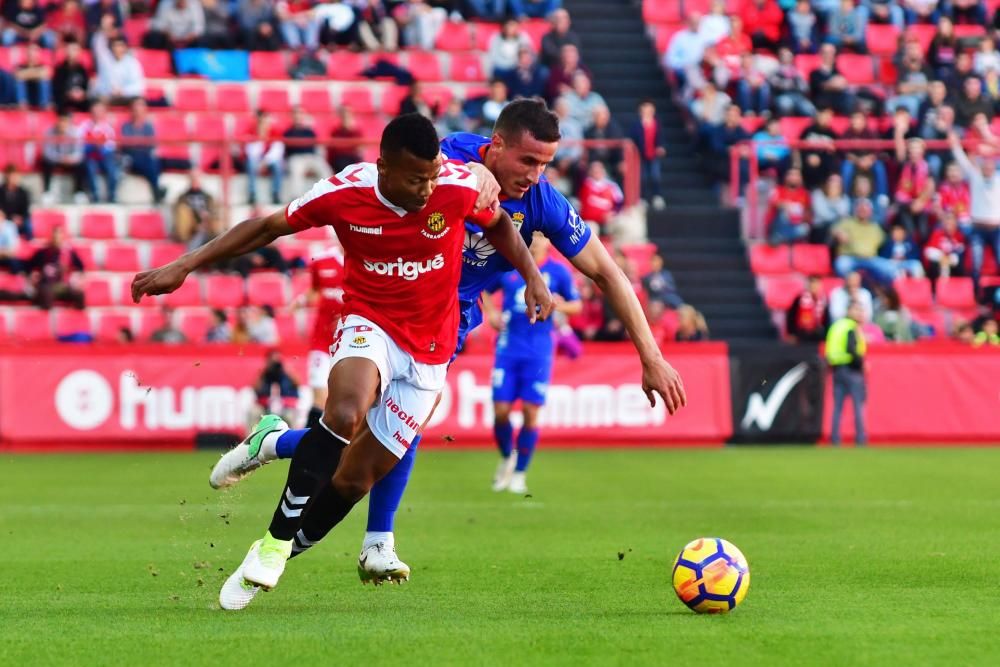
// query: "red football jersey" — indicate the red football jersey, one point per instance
point(401, 269)
point(327, 271)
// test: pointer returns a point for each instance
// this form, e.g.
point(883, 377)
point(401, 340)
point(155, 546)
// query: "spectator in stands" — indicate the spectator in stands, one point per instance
point(70, 80)
point(120, 77)
point(863, 161)
point(964, 333)
point(968, 12)
point(63, 150)
point(421, 23)
point(15, 202)
point(729, 134)
point(987, 58)
point(496, 102)
point(257, 22)
point(984, 186)
point(807, 319)
point(600, 197)
point(170, 332)
point(789, 88)
point(560, 35)
point(529, 77)
point(141, 159)
point(218, 24)
point(733, 45)
point(752, 92)
point(894, 320)
point(954, 197)
point(803, 28)
point(685, 49)
point(68, 23)
point(900, 249)
point(177, 24)
point(570, 153)
point(915, 191)
point(340, 156)
point(603, 127)
point(773, 151)
point(912, 81)
point(763, 20)
point(852, 291)
point(858, 240)
point(96, 10)
point(535, 9)
point(265, 153)
point(920, 11)
point(937, 98)
point(305, 164)
point(716, 25)
point(862, 189)
point(691, 325)
point(10, 243)
point(454, 119)
point(590, 320)
point(885, 12)
point(944, 49)
point(261, 325)
point(819, 160)
point(377, 31)
point(659, 284)
point(582, 100)
point(299, 24)
point(338, 23)
point(99, 152)
point(52, 273)
point(34, 80)
point(647, 134)
point(789, 211)
point(846, 27)
point(196, 219)
point(827, 86)
point(561, 76)
point(899, 133)
point(972, 101)
point(830, 205)
point(220, 331)
point(990, 334)
point(709, 112)
point(414, 102)
point(504, 47)
point(945, 249)
point(26, 25)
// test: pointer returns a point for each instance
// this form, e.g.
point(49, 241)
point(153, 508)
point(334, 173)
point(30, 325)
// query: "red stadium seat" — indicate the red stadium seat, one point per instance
point(640, 254)
point(424, 65)
point(301, 283)
point(956, 293)
point(882, 40)
point(914, 292)
point(192, 97)
point(664, 34)
point(149, 321)
point(358, 99)
point(752, 124)
point(70, 321)
point(856, 68)
point(467, 67)
point(392, 97)
point(135, 29)
point(969, 31)
point(119, 256)
point(484, 33)
point(98, 225)
point(770, 260)
point(232, 98)
point(924, 34)
point(811, 259)
point(371, 126)
point(31, 324)
point(44, 220)
point(831, 283)
point(274, 99)
point(172, 128)
point(195, 323)
point(11, 282)
point(100, 290)
point(806, 63)
point(224, 291)
point(780, 291)
point(188, 294)
point(658, 11)
point(536, 29)
point(110, 322)
point(268, 65)
point(209, 126)
point(315, 100)
point(147, 225)
point(288, 326)
point(86, 253)
point(438, 97)
point(155, 64)
point(267, 289)
point(931, 317)
point(345, 66)
point(792, 127)
point(454, 36)
point(164, 253)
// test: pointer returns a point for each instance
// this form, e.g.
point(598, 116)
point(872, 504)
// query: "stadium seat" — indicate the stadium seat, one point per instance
point(371, 126)
point(914, 292)
point(831, 283)
point(110, 322)
point(882, 40)
point(792, 127)
point(438, 97)
point(69, 321)
point(288, 326)
point(856, 68)
point(955, 292)
point(209, 126)
point(392, 97)
point(752, 124)
point(294, 251)
point(811, 259)
point(164, 253)
point(484, 33)
point(969, 31)
point(98, 225)
point(315, 100)
point(135, 29)
point(86, 253)
point(806, 63)
point(467, 67)
point(147, 225)
point(770, 260)
point(12, 282)
point(301, 283)
point(100, 290)
point(424, 65)
point(454, 36)
point(274, 99)
point(640, 254)
point(188, 294)
point(222, 291)
point(155, 64)
point(664, 34)
point(232, 98)
point(931, 317)
point(172, 128)
point(268, 65)
point(192, 97)
point(150, 320)
point(345, 66)
point(195, 323)
point(358, 99)
point(658, 11)
point(924, 34)
point(313, 234)
point(267, 289)
point(536, 29)
point(120, 256)
point(780, 291)
point(31, 324)
point(44, 220)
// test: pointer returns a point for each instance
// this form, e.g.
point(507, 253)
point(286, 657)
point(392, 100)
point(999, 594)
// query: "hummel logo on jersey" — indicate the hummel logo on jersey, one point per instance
point(405, 270)
point(375, 231)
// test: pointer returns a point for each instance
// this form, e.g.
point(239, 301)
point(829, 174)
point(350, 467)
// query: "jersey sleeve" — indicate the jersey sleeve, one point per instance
point(561, 223)
point(316, 208)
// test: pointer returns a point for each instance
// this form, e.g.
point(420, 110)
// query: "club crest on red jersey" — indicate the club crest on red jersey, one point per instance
point(436, 226)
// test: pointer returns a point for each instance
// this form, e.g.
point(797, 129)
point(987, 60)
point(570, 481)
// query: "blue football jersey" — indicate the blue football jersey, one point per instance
point(520, 338)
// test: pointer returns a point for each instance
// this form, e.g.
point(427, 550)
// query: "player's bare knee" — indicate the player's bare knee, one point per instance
point(343, 419)
point(351, 486)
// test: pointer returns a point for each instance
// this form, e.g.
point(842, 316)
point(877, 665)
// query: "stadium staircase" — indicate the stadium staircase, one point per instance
point(700, 240)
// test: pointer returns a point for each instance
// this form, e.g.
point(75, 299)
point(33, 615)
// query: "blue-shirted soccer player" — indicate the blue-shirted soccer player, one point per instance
point(524, 141)
point(523, 365)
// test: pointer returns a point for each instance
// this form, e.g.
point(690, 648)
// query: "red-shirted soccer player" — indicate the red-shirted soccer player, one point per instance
point(401, 223)
point(326, 293)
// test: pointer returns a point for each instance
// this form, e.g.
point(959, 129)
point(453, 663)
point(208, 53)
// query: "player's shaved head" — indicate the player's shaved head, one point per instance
point(412, 133)
point(409, 161)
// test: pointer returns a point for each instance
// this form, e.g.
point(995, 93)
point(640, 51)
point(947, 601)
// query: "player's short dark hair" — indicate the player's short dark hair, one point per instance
point(412, 133)
point(529, 115)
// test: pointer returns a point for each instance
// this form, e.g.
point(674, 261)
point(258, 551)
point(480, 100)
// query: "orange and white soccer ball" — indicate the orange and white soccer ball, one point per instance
point(711, 576)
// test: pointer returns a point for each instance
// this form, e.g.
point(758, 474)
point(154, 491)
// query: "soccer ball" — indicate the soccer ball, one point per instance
point(711, 575)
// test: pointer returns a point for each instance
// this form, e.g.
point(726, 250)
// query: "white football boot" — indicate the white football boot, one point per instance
point(247, 456)
point(379, 563)
point(518, 483)
point(236, 593)
point(265, 567)
point(501, 478)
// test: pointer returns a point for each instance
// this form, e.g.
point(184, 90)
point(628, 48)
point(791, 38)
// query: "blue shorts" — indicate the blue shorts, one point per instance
point(524, 378)
point(469, 317)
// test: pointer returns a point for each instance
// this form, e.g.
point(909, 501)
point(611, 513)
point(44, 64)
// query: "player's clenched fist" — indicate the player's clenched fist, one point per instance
point(538, 299)
point(163, 280)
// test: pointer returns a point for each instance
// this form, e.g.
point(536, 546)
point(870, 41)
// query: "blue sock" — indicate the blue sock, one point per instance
point(504, 434)
point(288, 441)
point(526, 441)
point(385, 496)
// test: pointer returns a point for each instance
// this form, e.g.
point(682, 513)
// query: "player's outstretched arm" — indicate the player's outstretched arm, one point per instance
point(502, 236)
point(245, 237)
point(658, 377)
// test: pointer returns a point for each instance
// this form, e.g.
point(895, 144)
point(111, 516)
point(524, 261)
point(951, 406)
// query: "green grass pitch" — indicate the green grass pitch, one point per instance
point(858, 557)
